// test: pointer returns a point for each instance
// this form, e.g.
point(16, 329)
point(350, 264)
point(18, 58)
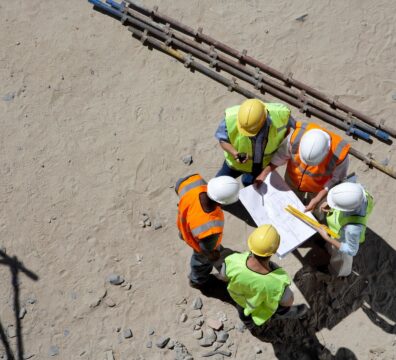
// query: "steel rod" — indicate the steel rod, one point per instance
point(232, 85)
point(244, 58)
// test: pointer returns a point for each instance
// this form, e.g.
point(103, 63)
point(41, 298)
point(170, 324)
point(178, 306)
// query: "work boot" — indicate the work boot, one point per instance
point(294, 312)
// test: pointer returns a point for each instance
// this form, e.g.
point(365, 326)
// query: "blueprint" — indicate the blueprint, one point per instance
point(267, 205)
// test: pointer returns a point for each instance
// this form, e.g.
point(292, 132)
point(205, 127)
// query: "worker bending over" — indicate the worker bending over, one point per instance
point(200, 220)
point(249, 135)
point(316, 159)
point(258, 286)
point(347, 209)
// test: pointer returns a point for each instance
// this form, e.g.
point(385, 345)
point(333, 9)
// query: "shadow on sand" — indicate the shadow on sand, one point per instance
point(371, 287)
point(15, 267)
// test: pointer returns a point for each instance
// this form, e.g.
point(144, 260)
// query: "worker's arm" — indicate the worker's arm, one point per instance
point(316, 200)
point(280, 158)
point(339, 174)
point(327, 238)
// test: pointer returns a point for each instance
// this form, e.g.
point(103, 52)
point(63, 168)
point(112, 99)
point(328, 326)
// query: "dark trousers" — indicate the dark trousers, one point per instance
point(247, 178)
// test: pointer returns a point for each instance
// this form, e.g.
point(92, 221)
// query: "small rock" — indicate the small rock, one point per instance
point(151, 331)
point(197, 334)
point(149, 344)
point(302, 18)
point(195, 314)
point(214, 324)
point(128, 287)
point(182, 302)
point(222, 336)
point(222, 316)
point(66, 332)
point(240, 327)
point(394, 96)
point(227, 353)
point(208, 339)
point(157, 225)
point(28, 356)
point(197, 304)
point(217, 345)
point(118, 329)
point(181, 352)
point(9, 97)
point(109, 355)
point(162, 341)
point(199, 322)
point(142, 224)
point(127, 333)
point(11, 331)
point(147, 223)
point(18, 43)
point(187, 159)
point(139, 258)
point(53, 350)
point(196, 327)
point(115, 279)
point(171, 345)
point(219, 352)
point(22, 313)
point(183, 317)
point(109, 302)
point(257, 350)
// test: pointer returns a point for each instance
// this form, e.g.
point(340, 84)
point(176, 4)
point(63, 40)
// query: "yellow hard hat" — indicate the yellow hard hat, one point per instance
point(251, 117)
point(264, 241)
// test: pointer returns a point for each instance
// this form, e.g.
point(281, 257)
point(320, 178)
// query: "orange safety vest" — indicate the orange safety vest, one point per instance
point(313, 178)
point(192, 221)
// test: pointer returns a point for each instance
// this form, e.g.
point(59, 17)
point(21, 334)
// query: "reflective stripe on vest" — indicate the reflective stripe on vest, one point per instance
point(336, 220)
point(191, 186)
point(279, 115)
point(258, 294)
point(193, 222)
point(302, 175)
point(205, 227)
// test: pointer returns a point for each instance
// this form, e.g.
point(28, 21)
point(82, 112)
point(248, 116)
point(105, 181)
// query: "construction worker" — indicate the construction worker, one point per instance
point(249, 135)
point(258, 286)
point(347, 210)
point(317, 159)
point(200, 220)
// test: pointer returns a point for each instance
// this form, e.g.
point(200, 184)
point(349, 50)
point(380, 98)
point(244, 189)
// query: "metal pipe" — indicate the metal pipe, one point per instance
point(244, 58)
point(202, 53)
point(232, 85)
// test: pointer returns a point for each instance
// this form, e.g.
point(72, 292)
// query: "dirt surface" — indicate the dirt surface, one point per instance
point(93, 130)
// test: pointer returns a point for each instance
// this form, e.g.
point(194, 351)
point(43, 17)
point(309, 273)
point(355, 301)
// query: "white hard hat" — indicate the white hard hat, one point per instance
point(314, 147)
point(223, 189)
point(346, 197)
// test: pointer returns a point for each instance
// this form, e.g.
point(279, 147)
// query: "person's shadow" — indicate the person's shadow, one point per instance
point(15, 267)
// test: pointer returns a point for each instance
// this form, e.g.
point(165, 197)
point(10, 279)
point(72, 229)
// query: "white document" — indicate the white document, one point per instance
point(267, 204)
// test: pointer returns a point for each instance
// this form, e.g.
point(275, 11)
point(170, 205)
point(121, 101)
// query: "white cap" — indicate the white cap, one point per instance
point(224, 190)
point(346, 196)
point(314, 147)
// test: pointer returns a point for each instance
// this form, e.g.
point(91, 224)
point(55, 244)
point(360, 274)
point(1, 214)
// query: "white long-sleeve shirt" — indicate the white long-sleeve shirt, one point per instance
point(283, 155)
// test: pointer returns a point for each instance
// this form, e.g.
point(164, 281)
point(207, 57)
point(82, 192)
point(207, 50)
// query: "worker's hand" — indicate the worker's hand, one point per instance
point(312, 205)
point(214, 255)
point(260, 179)
point(241, 157)
point(322, 232)
point(324, 207)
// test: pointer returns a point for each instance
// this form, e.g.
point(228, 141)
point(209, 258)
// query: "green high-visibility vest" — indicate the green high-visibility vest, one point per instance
point(337, 219)
point(258, 294)
point(279, 114)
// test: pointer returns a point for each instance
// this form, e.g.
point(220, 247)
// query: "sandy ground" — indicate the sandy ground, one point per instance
point(93, 129)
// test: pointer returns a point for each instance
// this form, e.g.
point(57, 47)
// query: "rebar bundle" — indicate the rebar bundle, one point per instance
point(186, 45)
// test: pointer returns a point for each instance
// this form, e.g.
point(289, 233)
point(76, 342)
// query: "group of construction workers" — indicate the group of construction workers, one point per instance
point(257, 138)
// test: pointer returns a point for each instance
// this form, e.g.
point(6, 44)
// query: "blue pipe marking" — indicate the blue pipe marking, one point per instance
point(354, 131)
point(106, 8)
point(116, 5)
point(382, 135)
